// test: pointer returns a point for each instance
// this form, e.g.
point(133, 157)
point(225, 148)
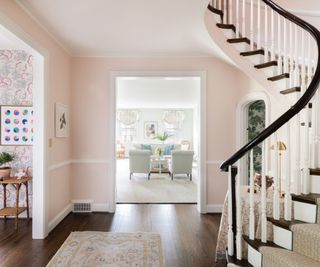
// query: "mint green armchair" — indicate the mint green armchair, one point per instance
point(181, 163)
point(139, 161)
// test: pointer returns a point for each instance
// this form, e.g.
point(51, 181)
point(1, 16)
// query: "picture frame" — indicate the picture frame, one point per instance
point(16, 125)
point(61, 120)
point(150, 129)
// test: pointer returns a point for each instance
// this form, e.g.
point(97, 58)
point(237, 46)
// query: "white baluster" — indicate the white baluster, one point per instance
point(297, 176)
point(291, 55)
point(259, 26)
point(287, 199)
point(309, 73)
point(243, 18)
point(306, 153)
point(230, 11)
point(276, 192)
point(251, 211)
point(296, 65)
point(239, 213)
point(266, 29)
point(263, 195)
point(317, 131)
point(273, 57)
point(237, 19)
point(225, 16)
point(279, 46)
point(285, 51)
point(230, 232)
point(303, 65)
point(251, 26)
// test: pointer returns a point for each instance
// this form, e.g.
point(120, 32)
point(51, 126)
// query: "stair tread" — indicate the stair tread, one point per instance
point(291, 90)
point(257, 243)
point(266, 65)
point(214, 10)
point(309, 198)
point(226, 26)
point(285, 258)
point(238, 40)
point(284, 223)
point(279, 77)
point(315, 171)
point(252, 53)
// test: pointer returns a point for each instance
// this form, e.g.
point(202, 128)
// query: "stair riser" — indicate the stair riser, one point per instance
point(229, 34)
point(305, 212)
point(254, 257)
point(282, 84)
point(282, 237)
point(315, 184)
point(241, 47)
point(270, 71)
point(217, 17)
point(256, 59)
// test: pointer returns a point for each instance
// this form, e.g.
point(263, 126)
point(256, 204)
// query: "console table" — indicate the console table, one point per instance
point(15, 211)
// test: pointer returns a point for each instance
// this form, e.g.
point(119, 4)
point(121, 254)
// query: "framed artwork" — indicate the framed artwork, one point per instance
point(16, 125)
point(62, 120)
point(150, 129)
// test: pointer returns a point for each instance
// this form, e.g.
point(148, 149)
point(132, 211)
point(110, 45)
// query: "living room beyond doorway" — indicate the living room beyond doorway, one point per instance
point(157, 139)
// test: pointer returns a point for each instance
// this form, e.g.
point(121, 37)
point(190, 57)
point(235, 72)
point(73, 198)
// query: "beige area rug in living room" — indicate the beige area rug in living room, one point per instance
point(159, 189)
point(90, 249)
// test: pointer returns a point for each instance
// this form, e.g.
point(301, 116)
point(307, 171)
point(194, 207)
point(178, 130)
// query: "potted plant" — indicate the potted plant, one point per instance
point(162, 137)
point(5, 158)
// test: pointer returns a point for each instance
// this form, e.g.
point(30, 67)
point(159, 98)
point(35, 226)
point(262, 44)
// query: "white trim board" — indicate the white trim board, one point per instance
point(61, 215)
point(214, 208)
point(202, 188)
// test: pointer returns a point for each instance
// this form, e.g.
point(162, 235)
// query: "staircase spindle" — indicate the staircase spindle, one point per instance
point(279, 45)
point(259, 26)
point(309, 59)
point(244, 19)
point(230, 12)
point(296, 65)
point(251, 26)
point(276, 192)
point(287, 197)
point(273, 57)
point(291, 55)
point(237, 18)
point(306, 153)
point(225, 17)
point(239, 213)
point(297, 176)
point(285, 52)
point(303, 62)
point(317, 131)
point(230, 230)
point(263, 195)
point(266, 29)
point(251, 211)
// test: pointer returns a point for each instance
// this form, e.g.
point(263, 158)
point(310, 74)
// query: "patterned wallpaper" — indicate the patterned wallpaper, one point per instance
point(256, 123)
point(16, 77)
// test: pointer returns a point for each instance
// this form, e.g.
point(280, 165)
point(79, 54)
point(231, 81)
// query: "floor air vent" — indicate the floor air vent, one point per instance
point(82, 206)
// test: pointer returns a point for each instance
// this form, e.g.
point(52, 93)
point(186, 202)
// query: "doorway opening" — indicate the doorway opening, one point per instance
point(22, 85)
point(159, 138)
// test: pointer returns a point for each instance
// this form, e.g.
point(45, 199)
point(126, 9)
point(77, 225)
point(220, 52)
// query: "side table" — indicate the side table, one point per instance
point(15, 211)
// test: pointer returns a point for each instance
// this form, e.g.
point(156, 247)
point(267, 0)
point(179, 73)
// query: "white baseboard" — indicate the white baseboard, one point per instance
point(214, 208)
point(56, 220)
point(101, 207)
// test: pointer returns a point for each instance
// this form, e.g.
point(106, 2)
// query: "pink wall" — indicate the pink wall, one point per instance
point(58, 83)
point(91, 118)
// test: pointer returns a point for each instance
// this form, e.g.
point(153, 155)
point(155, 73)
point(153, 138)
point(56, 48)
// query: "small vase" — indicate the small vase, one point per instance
point(5, 173)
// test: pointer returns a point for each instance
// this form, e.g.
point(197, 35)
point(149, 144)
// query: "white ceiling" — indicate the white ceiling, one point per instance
point(126, 28)
point(158, 92)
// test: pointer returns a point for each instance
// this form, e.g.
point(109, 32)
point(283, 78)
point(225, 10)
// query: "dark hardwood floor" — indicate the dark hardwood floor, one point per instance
point(188, 238)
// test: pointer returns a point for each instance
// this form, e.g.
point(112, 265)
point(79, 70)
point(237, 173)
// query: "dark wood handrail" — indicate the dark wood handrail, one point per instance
point(295, 109)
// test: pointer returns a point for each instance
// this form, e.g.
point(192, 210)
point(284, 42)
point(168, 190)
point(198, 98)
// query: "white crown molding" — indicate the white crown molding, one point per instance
point(27, 9)
point(61, 215)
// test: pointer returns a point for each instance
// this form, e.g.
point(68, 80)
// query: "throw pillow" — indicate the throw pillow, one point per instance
point(167, 150)
point(146, 147)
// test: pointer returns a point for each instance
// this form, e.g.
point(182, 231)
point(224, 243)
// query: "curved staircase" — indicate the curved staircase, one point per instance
point(282, 51)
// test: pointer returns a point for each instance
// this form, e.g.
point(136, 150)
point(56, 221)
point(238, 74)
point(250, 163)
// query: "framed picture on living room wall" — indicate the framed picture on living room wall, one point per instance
point(61, 120)
point(150, 129)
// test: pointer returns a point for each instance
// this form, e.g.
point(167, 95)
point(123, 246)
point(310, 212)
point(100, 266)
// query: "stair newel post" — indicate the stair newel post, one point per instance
point(230, 213)
point(237, 18)
point(244, 19)
point(259, 26)
point(251, 211)
point(239, 214)
point(287, 197)
point(285, 48)
point(273, 57)
point(263, 195)
point(297, 171)
point(225, 16)
point(276, 192)
point(266, 29)
point(279, 45)
point(251, 26)
point(230, 12)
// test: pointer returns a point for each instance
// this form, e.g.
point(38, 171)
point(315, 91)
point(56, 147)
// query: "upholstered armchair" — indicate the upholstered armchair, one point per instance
point(139, 161)
point(181, 163)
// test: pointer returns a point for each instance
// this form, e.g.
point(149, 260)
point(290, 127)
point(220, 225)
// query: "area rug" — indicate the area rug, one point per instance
point(90, 249)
